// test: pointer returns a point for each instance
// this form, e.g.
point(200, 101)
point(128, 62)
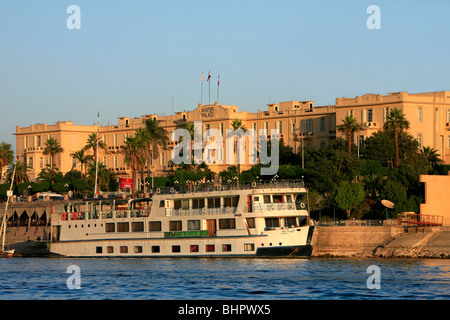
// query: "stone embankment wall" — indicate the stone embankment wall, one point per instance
point(382, 241)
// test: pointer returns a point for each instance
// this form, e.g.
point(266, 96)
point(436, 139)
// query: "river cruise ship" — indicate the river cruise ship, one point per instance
point(260, 220)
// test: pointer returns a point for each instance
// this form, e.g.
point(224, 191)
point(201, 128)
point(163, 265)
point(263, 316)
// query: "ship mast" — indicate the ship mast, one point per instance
point(3, 228)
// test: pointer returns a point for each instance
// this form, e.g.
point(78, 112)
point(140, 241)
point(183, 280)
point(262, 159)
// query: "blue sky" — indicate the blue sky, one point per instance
point(131, 57)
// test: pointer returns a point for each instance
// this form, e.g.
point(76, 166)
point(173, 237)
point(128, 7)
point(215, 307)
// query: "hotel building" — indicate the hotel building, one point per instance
point(297, 122)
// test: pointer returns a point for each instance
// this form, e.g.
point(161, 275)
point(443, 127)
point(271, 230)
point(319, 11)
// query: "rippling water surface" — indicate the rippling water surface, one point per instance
point(266, 279)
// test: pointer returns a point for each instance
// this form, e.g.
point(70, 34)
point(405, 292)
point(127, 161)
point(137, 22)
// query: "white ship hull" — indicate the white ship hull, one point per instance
point(231, 223)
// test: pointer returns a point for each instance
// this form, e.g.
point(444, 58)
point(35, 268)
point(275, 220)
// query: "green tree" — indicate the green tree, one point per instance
point(21, 174)
point(237, 126)
point(6, 157)
point(396, 122)
point(349, 125)
point(91, 143)
point(83, 158)
point(155, 138)
point(52, 148)
point(432, 157)
point(349, 196)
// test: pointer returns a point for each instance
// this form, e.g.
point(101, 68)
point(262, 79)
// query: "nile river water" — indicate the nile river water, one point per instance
point(223, 279)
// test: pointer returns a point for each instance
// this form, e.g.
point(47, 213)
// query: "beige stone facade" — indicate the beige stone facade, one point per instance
point(428, 115)
point(437, 189)
point(297, 121)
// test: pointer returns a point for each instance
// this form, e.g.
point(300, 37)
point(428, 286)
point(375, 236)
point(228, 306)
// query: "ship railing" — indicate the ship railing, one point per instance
point(212, 186)
point(199, 211)
point(104, 214)
point(260, 207)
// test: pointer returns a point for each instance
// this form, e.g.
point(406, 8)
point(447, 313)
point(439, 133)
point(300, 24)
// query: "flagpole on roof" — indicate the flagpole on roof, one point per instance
point(201, 99)
point(209, 85)
point(218, 84)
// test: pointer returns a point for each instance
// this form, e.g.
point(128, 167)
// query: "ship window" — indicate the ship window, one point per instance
point(123, 249)
point(193, 224)
point(176, 248)
point(251, 222)
point(177, 204)
point(161, 204)
point(272, 222)
point(249, 247)
point(123, 227)
point(277, 198)
point(110, 227)
point(227, 223)
point(266, 199)
point(213, 202)
point(226, 248)
point(138, 249)
point(98, 250)
point(110, 249)
point(230, 201)
point(155, 249)
point(137, 226)
point(154, 226)
point(256, 198)
point(194, 247)
point(290, 222)
point(198, 203)
point(289, 198)
point(210, 248)
point(174, 225)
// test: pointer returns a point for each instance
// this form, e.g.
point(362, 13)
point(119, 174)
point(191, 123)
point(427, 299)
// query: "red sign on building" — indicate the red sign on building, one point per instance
point(125, 183)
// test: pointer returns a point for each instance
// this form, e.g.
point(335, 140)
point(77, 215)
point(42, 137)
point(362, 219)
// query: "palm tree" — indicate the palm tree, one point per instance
point(396, 121)
point(104, 175)
point(349, 126)
point(236, 125)
point(21, 174)
point(52, 148)
point(153, 138)
point(432, 156)
point(131, 151)
point(191, 128)
point(83, 159)
point(91, 143)
point(6, 156)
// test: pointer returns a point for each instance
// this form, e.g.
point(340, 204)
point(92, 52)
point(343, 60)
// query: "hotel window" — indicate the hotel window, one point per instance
point(293, 126)
point(350, 113)
point(419, 114)
point(104, 161)
point(448, 141)
point(420, 139)
point(309, 125)
point(266, 127)
point(38, 141)
point(386, 114)
point(161, 158)
point(31, 162)
point(154, 226)
point(279, 126)
point(254, 126)
point(370, 115)
point(41, 163)
point(221, 128)
point(322, 124)
point(116, 163)
point(25, 142)
point(74, 141)
point(448, 115)
point(363, 116)
point(115, 140)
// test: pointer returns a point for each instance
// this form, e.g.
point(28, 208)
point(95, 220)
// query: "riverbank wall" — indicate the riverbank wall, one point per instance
point(381, 242)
